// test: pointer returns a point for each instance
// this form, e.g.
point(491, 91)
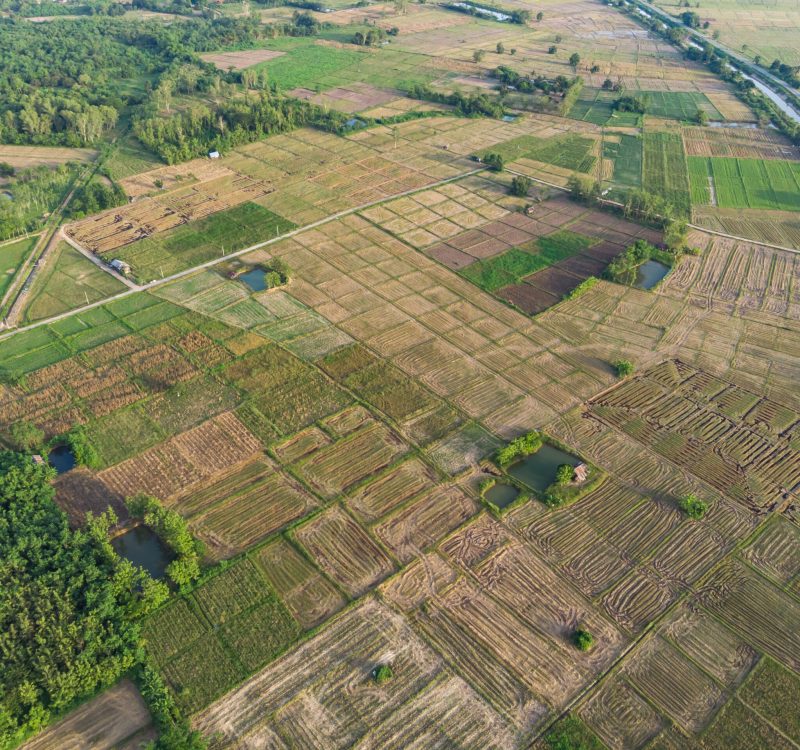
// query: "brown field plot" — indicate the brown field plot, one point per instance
point(117, 719)
point(731, 438)
point(239, 60)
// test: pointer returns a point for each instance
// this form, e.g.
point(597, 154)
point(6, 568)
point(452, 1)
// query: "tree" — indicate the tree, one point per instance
point(693, 506)
point(584, 189)
point(520, 186)
point(495, 162)
point(68, 604)
point(382, 674)
point(574, 59)
point(477, 55)
point(539, 16)
point(624, 368)
point(583, 639)
point(564, 474)
point(26, 436)
point(500, 48)
point(702, 117)
point(82, 448)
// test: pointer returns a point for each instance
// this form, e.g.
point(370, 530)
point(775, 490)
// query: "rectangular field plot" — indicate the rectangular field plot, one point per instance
point(310, 597)
point(345, 551)
point(236, 512)
point(331, 469)
point(674, 684)
point(771, 184)
point(773, 692)
point(690, 426)
point(186, 459)
point(756, 610)
point(776, 551)
point(232, 624)
point(424, 521)
point(597, 106)
point(665, 172)
point(332, 674)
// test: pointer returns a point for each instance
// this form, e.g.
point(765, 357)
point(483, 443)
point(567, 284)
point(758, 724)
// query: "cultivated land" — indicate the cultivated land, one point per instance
point(330, 440)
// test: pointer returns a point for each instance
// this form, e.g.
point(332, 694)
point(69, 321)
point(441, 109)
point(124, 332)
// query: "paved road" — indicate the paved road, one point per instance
point(778, 86)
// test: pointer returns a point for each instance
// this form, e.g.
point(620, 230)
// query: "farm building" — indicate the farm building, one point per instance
point(120, 266)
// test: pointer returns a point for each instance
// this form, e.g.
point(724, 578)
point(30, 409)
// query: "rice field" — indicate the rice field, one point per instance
point(769, 184)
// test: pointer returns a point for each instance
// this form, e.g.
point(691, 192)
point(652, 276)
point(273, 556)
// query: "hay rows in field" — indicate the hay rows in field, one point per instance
point(332, 673)
point(188, 458)
point(345, 551)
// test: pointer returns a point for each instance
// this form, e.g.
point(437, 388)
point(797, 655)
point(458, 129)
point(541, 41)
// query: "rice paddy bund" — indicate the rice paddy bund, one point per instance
point(375, 574)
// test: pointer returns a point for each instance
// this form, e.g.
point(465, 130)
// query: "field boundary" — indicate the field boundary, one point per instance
point(208, 264)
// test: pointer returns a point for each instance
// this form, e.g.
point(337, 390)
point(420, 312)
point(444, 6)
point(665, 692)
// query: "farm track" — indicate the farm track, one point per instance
point(47, 238)
point(209, 264)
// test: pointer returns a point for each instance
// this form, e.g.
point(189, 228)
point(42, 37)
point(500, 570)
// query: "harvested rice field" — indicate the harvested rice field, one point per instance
point(449, 485)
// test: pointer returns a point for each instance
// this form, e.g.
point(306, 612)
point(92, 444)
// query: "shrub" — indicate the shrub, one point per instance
point(26, 436)
point(583, 639)
point(564, 474)
point(500, 48)
point(520, 186)
point(693, 506)
point(382, 674)
point(624, 367)
point(552, 49)
point(574, 59)
point(477, 55)
point(83, 450)
point(519, 448)
point(584, 286)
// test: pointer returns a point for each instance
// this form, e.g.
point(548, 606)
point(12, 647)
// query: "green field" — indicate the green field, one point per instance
point(513, 265)
point(596, 106)
point(677, 105)
point(627, 158)
point(665, 171)
point(67, 281)
point(319, 67)
point(231, 625)
point(200, 241)
point(12, 256)
point(746, 183)
point(568, 152)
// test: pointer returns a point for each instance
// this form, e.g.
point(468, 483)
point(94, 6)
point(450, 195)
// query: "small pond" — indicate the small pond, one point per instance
point(255, 279)
point(143, 547)
point(501, 495)
point(650, 273)
point(62, 458)
point(538, 471)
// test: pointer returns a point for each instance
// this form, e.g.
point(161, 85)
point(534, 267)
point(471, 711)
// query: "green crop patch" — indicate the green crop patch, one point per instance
point(199, 241)
point(665, 171)
point(505, 269)
point(234, 590)
point(513, 265)
point(202, 673)
point(260, 635)
point(12, 256)
point(772, 184)
point(568, 152)
point(389, 389)
point(597, 106)
point(774, 693)
point(122, 435)
point(677, 105)
point(308, 64)
point(171, 630)
point(627, 158)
